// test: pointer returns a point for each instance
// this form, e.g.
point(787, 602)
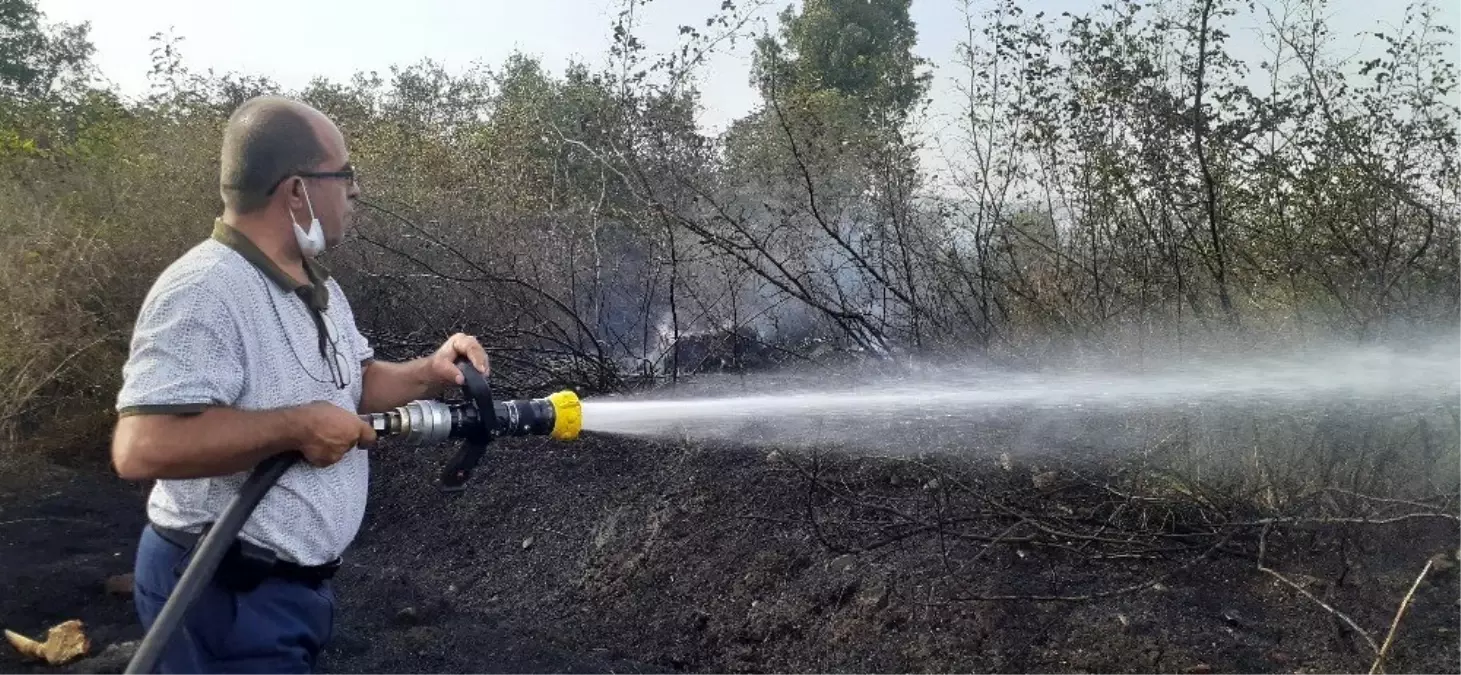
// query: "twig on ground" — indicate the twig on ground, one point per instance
point(1336, 521)
point(1127, 496)
point(1395, 623)
point(1388, 500)
point(997, 539)
point(1263, 547)
point(1102, 594)
point(812, 483)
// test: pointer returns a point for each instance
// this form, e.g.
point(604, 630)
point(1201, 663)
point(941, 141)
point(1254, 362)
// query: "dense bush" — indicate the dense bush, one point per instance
point(1117, 188)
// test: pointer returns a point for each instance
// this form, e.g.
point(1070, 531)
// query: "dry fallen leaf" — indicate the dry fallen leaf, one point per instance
point(64, 642)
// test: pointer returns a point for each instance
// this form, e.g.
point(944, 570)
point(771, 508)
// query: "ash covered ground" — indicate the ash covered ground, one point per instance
point(1001, 550)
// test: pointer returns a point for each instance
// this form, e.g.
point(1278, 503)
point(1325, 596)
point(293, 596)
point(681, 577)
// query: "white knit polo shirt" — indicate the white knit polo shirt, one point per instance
point(224, 326)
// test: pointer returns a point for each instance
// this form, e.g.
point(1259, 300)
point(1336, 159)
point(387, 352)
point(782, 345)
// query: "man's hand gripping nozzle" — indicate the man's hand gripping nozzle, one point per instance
point(476, 421)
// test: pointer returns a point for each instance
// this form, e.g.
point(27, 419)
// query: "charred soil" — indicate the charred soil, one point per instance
point(610, 555)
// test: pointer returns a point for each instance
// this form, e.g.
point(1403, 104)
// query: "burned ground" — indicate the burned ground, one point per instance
point(617, 555)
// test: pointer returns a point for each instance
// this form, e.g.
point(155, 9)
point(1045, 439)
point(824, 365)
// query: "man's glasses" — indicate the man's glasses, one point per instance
point(347, 173)
point(336, 360)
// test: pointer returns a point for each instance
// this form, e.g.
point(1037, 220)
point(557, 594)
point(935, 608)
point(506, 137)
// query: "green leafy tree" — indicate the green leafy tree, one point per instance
point(35, 58)
point(860, 50)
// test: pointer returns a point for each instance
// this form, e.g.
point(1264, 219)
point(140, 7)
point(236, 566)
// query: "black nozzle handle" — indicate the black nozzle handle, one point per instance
point(476, 437)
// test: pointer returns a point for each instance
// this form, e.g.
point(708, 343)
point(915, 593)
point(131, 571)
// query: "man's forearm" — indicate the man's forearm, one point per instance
point(388, 385)
point(215, 442)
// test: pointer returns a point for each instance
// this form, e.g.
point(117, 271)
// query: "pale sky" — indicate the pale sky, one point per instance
point(293, 40)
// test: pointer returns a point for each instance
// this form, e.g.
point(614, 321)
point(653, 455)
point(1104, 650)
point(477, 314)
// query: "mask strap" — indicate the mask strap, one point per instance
point(307, 203)
point(292, 219)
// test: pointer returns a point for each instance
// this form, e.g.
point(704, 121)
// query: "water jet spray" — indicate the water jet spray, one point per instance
point(953, 399)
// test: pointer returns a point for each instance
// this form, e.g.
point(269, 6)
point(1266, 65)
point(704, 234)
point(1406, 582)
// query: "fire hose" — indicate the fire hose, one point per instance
point(476, 421)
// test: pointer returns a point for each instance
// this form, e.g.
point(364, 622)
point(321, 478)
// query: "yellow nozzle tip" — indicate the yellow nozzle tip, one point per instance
point(567, 416)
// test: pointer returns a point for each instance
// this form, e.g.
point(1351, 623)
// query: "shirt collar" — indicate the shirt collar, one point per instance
point(314, 292)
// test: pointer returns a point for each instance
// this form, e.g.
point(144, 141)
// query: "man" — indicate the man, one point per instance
point(244, 348)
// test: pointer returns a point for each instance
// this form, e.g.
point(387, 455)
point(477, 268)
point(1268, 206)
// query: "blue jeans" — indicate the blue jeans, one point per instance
point(278, 627)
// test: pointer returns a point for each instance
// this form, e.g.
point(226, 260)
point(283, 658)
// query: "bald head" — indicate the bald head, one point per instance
point(267, 139)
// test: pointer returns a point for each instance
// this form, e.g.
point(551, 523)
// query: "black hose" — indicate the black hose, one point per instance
point(206, 557)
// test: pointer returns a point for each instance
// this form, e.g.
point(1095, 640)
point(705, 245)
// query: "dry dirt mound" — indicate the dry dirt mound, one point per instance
point(609, 555)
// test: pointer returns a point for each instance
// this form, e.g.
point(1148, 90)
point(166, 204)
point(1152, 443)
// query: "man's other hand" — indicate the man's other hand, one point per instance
point(220, 440)
point(327, 432)
point(443, 364)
